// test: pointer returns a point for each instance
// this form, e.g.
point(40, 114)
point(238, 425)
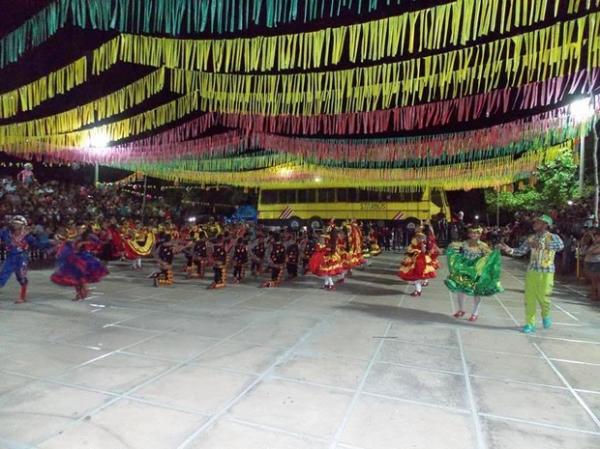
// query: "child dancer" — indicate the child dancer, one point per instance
point(474, 271)
point(17, 241)
point(240, 259)
point(420, 263)
point(326, 263)
point(76, 266)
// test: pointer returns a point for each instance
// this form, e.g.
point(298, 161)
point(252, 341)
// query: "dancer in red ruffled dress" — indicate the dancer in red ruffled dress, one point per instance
point(326, 262)
point(421, 261)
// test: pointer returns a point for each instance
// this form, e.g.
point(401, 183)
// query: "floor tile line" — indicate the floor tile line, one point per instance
point(481, 443)
point(538, 423)
point(555, 302)
point(576, 395)
point(274, 429)
point(447, 408)
point(520, 382)
point(280, 359)
point(144, 383)
point(360, 388)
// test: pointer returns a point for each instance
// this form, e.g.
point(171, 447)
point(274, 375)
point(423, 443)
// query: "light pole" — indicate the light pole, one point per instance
point(581, 111)
point(98, 143)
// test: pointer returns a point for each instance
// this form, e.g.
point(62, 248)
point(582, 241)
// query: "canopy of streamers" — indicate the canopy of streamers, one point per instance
point(387, 94)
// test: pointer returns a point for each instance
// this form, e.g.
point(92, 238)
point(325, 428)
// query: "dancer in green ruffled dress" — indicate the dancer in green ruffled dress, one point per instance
point(474, 271)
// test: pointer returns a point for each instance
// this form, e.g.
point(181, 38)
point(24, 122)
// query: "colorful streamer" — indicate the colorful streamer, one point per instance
point(470, 19)
point(115, 103)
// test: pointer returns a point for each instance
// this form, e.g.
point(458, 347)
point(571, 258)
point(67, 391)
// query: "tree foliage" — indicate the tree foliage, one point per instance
point(556, 184)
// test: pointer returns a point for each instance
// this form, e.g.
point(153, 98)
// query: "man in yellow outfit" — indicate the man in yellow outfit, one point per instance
point(539, 280)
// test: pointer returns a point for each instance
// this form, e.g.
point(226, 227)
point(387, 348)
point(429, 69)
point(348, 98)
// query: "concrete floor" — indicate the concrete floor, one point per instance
point(365, 367)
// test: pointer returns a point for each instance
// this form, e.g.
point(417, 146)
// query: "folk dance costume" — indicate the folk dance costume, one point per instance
point(326, 263)
point(219, 257)
point(309, 248)
point(198, 254)
point(293, 255)
point(17, 241)
point(277, 262)
point(138, 243)
point(240, 260)
point(421, 262)
point(539, 280)
point(474, 271)
point(258, 256)
point(76, 265)
point(164, 254)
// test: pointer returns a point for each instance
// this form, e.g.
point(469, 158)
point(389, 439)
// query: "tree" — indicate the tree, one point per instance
point(556, 184)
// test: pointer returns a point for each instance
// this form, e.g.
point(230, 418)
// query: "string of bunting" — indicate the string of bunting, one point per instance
point(522, 59)
point(31, 95)
point(479, 174)
point(374, 89)
point(413, 32)
point(471, 18)
point(112, 104)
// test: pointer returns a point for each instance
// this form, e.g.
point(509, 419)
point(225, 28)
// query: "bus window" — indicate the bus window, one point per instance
point(326, 196)
point(363, 195)
point(307, 196)
point(268, 196)
point(342, 195)
point(287, 196)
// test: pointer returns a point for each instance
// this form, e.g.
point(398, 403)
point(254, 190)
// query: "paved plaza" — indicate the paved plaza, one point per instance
point(364, 367)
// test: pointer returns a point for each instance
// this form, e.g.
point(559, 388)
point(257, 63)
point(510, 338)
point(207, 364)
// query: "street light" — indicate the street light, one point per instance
point(581, 111)
point(97, 142)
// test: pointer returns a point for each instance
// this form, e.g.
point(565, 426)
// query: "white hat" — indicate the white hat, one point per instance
point(20, 219)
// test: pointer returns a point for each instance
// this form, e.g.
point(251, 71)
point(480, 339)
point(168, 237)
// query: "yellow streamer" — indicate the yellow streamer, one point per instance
point(435, 28)
point(100, 109)
point(536, 56)
point(33, 94)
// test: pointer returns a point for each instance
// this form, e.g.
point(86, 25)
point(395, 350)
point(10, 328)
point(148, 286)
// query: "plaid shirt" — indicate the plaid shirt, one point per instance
point(542, 257)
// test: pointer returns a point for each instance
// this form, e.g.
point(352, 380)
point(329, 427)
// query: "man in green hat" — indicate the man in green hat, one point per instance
point(539, 280)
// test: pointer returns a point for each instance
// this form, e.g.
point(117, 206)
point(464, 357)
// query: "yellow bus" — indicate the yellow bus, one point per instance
point(313, 206)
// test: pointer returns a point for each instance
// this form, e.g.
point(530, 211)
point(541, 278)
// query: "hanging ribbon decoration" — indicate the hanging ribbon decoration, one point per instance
point(458, 22)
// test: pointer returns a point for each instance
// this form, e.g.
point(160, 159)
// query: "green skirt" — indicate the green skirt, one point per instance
point(478, 277)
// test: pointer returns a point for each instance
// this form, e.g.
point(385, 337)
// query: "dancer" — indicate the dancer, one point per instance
point(240, 259)
point(277, 259)
point(539, 280)
point(293, 254)
point(164, 253)
point(258, 255)
point(592, 264)
point(219, 259)
point(76, 266)
point(474, 271)
point(137, 243)
point(309, 246)
point(17, 241)
point(420, 264)
point(199, 255)
point(326, 262)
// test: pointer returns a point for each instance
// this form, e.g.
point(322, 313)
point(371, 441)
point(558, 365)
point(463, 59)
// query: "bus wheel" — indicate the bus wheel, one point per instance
point(294, 223)
point(412, 222)
point(315, 223)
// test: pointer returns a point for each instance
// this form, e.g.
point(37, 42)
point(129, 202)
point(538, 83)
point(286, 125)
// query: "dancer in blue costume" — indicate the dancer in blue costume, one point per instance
point(77, 267)
point(17, 241)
